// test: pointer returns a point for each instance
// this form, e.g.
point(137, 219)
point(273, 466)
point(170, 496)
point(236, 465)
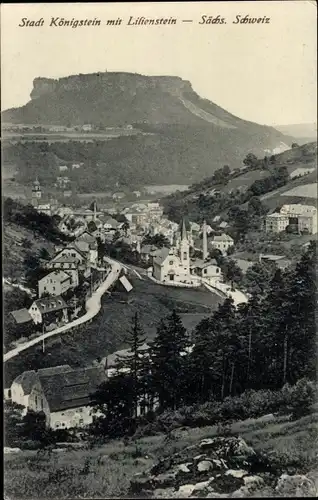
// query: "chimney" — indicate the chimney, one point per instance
point(204, 241)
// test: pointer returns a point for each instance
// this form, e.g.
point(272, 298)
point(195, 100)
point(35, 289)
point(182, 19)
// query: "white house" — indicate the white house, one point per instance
point(67, 263)
point(55, 283)
point(51, 308)
point(204, 269)
point(222, 242)
point(66, 396)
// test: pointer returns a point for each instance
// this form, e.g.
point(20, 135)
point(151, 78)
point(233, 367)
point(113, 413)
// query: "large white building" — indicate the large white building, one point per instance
point(303, 216)
point(173, 265)
point(64, 395)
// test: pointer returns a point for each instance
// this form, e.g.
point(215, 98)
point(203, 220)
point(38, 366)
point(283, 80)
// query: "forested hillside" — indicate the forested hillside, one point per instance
point(189, 137)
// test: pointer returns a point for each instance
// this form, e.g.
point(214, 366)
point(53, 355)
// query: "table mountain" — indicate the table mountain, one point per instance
point(195, 134)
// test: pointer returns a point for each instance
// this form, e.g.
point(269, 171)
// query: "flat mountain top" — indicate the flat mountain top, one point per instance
point(184, 136)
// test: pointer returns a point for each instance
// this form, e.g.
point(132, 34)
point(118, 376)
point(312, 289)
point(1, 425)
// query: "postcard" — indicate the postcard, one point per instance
point(159, 197)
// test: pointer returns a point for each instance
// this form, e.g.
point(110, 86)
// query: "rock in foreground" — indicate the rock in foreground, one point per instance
point(219, 467)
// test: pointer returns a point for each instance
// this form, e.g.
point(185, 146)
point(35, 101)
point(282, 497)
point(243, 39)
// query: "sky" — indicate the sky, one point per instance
point(262, 72)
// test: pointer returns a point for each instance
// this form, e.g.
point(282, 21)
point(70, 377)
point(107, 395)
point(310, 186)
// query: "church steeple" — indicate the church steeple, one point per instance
point(184, 235)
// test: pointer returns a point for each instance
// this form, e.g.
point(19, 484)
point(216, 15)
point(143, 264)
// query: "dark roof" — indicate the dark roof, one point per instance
point(52, 370)
point(201, 264)
point(115, 357)
point(73, 388)
point(49, 304)
point(64, 258)
point(160, 257)
point(21, 316)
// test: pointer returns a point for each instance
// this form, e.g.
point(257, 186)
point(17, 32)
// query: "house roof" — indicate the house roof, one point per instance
point(73, 388)
point(58, 275)
point(27, 381)
point(21, 316)
point(65, 258)
point(126, 284)
point(223, 224)
point(86, 236)
point(112, 359)
point(50, 304)
point(72, 246)
point(223, 237)
point(272, 257)
point(161, 257)
point(202, 264)
point(147, 249)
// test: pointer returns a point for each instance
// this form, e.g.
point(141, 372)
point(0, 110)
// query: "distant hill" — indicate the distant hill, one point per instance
point(299, 130)
point(189, 137)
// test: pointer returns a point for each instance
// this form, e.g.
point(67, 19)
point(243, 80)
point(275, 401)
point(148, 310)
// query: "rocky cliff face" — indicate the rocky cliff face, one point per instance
point(127, 82)
point(219, 467)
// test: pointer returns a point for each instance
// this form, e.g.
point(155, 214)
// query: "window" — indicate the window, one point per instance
point(54, 288)
point(217, 270)
point(185, 255)
point(44, 288)
point(58, 424)
point(81, 421)
point(170, 262)
point(205, 271)
point(41, 404)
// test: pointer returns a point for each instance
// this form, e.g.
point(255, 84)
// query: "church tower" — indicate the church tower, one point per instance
point(184, 249)
point(36, 192)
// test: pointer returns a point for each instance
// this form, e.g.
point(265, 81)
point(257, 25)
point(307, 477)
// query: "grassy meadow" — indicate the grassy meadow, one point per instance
point(105, 471)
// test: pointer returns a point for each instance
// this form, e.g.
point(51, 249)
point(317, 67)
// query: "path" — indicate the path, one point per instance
point(93, 306)
point(21, 287)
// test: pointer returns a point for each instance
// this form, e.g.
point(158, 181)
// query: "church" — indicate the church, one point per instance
point(173, 264)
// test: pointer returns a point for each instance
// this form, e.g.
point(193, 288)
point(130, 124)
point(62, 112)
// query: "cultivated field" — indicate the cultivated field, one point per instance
point(305, 191)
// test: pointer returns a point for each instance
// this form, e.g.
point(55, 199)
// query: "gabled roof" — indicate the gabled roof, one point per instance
point(72, 246)
point(201, 264)
point(113, 359)
point(27, 380)
point(147, 249)
point(223, 237)
point(57, 275)
point(87, 237)
point(65, 258)
point(161, 257)
point(72, 389)
point(21, 316)
point(50, 304)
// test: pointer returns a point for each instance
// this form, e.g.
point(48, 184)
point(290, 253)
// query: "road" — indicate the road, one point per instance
point(93, 306)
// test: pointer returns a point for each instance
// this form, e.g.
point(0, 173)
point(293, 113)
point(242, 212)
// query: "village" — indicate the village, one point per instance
point(177, 255)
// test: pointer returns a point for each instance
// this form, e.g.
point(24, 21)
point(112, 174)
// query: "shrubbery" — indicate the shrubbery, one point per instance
point(295, 400)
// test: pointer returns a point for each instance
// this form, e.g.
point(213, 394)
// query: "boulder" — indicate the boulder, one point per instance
point(204, 466)
point(295, 486)
point(183, 468)
point(236, 473)
point(186, 490)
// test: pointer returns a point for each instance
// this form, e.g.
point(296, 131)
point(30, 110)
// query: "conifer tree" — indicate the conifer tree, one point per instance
point(168, 354)
point(132, 363)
